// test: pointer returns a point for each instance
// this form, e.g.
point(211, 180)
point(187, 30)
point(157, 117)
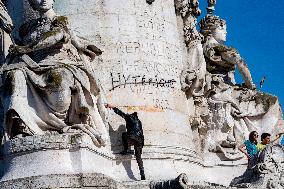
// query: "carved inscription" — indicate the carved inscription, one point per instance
point(151, 23)
point(144, 60)
point(162, 104)
point(149, 48)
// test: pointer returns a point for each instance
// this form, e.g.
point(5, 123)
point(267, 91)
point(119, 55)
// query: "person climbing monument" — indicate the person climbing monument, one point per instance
point(133, 136)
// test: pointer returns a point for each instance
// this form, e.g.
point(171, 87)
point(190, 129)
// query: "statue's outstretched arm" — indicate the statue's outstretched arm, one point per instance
point(85, 46)
point(234, 57)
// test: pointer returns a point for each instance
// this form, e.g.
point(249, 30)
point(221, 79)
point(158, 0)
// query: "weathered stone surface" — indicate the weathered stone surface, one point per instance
point(154, 61)
point(6, 27)
point(47, 81)
point(224, 113)
point(140, 71)
point(71, 153)
point(264, 171)
point(58, 181)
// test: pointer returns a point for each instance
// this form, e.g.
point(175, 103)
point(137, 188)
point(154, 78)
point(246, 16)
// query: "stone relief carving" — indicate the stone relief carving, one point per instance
point(193, 76)
point(265, 170)
point(224, 112)
point(47, 81)
point(189, 11)
point(48, 86)
point(220, 58)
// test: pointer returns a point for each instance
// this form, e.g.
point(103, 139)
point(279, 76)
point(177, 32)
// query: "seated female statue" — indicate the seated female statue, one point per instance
point(48, 81)
point(226, 113)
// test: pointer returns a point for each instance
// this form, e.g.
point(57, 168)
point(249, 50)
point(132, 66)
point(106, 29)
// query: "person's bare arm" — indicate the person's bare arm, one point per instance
point(109, 106)
point(277, 137)
point(116, 110)
point(242, 149)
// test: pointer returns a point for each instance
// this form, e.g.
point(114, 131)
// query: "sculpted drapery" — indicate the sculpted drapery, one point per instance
point(47, 81)
point(224, 112)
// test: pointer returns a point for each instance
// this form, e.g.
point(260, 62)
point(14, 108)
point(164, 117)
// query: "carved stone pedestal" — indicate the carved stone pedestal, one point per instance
point(65, 159)
point(99, 181)
point(75, 153)
point(52, 154)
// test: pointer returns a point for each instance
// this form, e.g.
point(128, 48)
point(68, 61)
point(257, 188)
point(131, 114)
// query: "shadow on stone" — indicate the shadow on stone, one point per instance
point(115, 138)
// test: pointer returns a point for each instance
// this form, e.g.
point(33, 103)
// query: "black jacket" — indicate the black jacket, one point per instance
point(133, 125)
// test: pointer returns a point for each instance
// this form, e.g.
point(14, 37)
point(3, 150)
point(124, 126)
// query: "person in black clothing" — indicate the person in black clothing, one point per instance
point(132, 136)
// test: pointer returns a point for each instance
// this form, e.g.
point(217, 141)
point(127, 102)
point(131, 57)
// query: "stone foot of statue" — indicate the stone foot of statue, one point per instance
point(228, 144)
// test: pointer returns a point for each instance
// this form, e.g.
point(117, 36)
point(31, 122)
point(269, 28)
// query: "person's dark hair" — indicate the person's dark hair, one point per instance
point(135, 114)
point(264, 135)
point(251, 138)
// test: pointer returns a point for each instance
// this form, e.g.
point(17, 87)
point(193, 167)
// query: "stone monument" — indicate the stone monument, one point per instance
point(70, 58)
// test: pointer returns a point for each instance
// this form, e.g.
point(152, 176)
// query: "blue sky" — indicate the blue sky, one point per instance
point(256, 28)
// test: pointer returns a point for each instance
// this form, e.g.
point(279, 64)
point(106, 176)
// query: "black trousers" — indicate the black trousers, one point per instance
point(129, 140)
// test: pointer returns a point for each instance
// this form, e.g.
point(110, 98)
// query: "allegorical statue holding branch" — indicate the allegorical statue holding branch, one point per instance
point(47, 81)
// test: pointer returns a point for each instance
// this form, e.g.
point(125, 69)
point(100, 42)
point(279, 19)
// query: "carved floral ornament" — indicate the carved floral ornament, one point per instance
point(188, 7)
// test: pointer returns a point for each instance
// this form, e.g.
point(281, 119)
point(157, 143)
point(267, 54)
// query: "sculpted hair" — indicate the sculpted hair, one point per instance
point(264, 135)
point(32, 4)
point(210, 23)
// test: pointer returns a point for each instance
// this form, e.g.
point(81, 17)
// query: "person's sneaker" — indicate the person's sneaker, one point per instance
point(128, 152)
point(123, 152)
point(143, 177)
